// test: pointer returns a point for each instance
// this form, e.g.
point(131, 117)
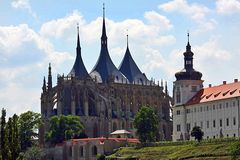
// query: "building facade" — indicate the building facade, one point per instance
point(215, 108)
point(87, 148)
point(107, 98)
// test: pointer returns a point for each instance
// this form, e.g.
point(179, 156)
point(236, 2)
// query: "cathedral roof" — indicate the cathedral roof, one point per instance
point(188, 73)
point(78, 69)
point(104, 68)
point(213, 93)
point(130, 69)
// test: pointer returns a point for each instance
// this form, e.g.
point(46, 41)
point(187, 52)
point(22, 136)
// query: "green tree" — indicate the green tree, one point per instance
point(28, 127)
point(4, 150)
point(197, 133)
point(64, 128)
point(32, 153)
point(9, 140)
point(146, 122)
point(15, 138)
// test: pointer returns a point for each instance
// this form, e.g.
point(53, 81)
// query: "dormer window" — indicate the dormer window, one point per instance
point(189, 62)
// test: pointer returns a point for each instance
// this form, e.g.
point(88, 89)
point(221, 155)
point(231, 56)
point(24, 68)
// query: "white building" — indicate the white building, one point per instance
point(215, 109)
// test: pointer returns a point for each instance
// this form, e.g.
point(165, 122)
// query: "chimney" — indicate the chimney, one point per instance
point(235, 80)
point(224, 82)
point(210, 85)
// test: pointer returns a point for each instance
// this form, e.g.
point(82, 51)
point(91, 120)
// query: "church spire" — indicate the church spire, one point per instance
point(78, 69)
point(104, 34)
point(188, 73)
point(78, 40)
point(49, 77)
point(44, 87)
point(105, 70)
point(188, 47)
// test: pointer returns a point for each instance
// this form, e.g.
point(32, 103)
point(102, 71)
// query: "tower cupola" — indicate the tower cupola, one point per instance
point(188, 73)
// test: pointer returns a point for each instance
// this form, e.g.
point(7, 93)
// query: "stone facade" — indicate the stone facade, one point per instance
point(215, 108)
point(88, 148)
point(108, 98)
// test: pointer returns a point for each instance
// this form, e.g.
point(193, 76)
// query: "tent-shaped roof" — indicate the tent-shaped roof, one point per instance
point(104, 68)
point(78, 69)
point(130, 69)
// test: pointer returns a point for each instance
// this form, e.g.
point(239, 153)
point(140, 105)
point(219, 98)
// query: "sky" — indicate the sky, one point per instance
point(36, 33)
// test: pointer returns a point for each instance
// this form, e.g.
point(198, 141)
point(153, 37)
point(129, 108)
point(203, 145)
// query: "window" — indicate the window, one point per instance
point(70, 151)
point(94, 150)
point(81, 151)
point(234, 121)
point(188, 62)
point(195, 124)
point(234, 135)
point(226, 105)
point(207, 124)
point(207, 108)
point(188, 110)
point(214, 123)
point(227, 122)
point(220, 106)
point(178, 95)
point(213, 107)
point(233, 103)
point(194, 109)
point(201, 124)
point(194, 88)
point(220, 123)
point(200, 109)
point(188, 127)
point(178, 112)
point(178, 128)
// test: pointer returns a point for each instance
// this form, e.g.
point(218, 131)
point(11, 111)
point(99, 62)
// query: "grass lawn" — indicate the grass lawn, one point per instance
point(205, 150)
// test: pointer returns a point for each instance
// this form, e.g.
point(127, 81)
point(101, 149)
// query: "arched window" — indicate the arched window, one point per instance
point(91, 105)
point(123, 125)
point(114, 126)
point(178, 95)
point(94, 150)
point(95, 130)
point(81, 151)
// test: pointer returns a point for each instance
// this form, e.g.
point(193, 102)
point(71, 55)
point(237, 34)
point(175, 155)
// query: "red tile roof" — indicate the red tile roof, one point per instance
point(214, 93)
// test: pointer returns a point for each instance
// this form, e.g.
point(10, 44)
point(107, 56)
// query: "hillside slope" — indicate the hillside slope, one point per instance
point(215, 149)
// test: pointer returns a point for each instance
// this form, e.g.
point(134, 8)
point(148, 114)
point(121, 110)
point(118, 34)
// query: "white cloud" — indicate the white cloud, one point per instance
point(158, 20)
point(228, 6)
point(60, 28)
point(24, 58)
point(23, 4)
point(195, 11)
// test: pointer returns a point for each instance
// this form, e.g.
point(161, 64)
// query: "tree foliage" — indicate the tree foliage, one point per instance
point(64, 128)
point(197, 133)
point(146, 122)
point(28, 127)
point(4, 149)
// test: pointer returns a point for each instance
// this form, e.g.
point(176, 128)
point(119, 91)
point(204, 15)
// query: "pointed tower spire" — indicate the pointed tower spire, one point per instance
point(127, 38)
point(130, 69)
point(188, 47)
point(104, 34)
point(78, 69)
point(105, 70)
point(49, 77)
point(44, 87)
point(166, 89)
point(78, 39)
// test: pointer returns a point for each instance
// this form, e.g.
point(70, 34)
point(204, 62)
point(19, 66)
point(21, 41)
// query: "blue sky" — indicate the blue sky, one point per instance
point(34, 33)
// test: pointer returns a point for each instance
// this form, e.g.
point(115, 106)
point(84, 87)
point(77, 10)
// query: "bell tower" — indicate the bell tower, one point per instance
point(188, 80)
